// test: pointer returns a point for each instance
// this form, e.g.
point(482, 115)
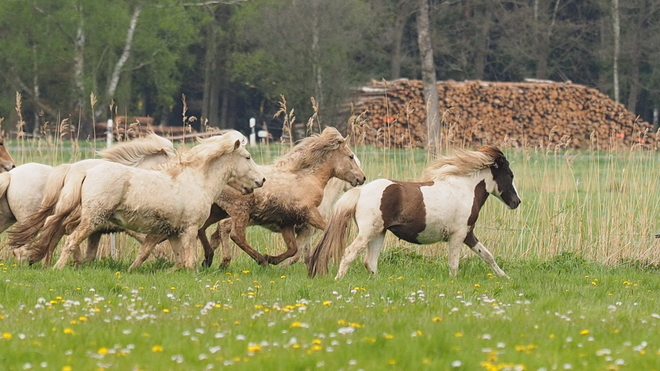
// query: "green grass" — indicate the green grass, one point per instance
point(580, 251)
point(565, 311)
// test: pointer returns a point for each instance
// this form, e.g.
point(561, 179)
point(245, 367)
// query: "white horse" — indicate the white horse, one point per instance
point(23, 192)
point(443, 206)
point(170, 203)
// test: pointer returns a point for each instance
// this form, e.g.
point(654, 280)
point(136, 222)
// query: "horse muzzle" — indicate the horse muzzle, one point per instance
point(359, 181)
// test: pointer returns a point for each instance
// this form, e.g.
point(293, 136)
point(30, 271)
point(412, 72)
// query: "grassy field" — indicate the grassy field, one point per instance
point(583, 294)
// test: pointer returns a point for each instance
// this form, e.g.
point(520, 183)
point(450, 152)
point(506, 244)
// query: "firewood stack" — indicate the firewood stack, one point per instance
point(537, 113)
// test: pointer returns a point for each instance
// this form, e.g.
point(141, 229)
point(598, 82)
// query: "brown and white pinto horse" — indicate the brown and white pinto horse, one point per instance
point(443, 206)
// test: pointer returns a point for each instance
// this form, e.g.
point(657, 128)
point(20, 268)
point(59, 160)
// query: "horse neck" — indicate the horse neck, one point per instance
point(323, 173)
point(151, 161)
point(211, 178)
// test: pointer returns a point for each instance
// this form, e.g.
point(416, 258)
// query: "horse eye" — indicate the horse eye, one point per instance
point(247, 158)
point(352, 157)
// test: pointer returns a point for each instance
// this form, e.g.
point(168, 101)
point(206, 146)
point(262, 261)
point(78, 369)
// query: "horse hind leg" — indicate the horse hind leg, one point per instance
point(360, 243)
point(373, 251)
point(473, 243)
point(83, 231)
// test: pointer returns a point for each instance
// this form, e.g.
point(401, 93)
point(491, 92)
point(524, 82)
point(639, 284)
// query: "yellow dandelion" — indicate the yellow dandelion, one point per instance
point(67, 368)
point(6, 335)
point(165, 310)
point(327, 303)
point(476, 285)
point(82, 319)
point(316, 341)
point(68, 331)
point(157, 348)
point(458, 334)
point(102, 350)
point(388, 336)
point(296, 324)
point(295, 346)
point(584, 332)
point(73, 322)
point(437, 319)
point(245, 271)
point(254, 348)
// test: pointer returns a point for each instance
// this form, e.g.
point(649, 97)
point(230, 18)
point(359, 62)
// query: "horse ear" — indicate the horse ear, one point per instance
point(237, 144)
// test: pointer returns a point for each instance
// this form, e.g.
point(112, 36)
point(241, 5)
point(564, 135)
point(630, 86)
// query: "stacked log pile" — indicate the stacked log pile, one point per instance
point(539, 114)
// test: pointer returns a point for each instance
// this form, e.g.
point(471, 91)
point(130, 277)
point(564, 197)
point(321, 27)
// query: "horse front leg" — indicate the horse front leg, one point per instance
point(454, 254)
point(304, 242)
point(92, 246)
point(189, 241)
point(473, 243)
point(238, 232)
point(150, 241)
point(291, 247)
point(221, 237)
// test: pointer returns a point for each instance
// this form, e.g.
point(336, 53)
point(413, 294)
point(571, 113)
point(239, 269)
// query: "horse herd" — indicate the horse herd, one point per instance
point(145, 188)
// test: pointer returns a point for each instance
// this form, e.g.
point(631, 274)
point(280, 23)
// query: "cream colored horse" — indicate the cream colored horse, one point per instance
point(291, 196)
point(23, 190)
point(170, 203)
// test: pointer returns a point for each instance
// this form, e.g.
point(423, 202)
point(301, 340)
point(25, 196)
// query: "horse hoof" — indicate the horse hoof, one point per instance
point(272, 259)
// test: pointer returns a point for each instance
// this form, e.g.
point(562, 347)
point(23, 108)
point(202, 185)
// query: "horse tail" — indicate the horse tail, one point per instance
point(65, 210)
point(24, 231)
point(332, 243)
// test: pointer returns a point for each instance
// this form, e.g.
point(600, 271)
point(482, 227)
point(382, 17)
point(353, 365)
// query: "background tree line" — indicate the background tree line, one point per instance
point(85, 60)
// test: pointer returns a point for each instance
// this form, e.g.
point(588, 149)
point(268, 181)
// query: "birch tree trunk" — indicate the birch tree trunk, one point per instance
point(78, 60)
point(126, 53)
point(429, 79)
point(617, 37)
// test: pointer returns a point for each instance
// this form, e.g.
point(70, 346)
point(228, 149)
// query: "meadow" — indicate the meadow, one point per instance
point(580, 251)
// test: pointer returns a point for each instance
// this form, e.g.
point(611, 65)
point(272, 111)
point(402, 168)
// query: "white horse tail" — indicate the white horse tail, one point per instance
point(65, 216)
point(332, 243)
point(5, 178)
point(24, 231)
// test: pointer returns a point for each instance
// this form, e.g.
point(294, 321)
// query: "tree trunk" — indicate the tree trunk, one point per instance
point(78, 69)
point(210, 66)
point(35, 91)
point(126, 53)
point(429, 79)
point(617, 36)
point(399, 26)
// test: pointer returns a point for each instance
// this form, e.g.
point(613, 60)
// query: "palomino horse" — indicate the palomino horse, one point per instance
point(304, 233)
point(175, 206)
point(24, 188)
point(290, 197)
point(443, 206)
point(6, 162)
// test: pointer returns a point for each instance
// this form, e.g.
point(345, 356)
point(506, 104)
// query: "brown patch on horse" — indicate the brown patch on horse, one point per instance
point(403, 209)
point(480, 196)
